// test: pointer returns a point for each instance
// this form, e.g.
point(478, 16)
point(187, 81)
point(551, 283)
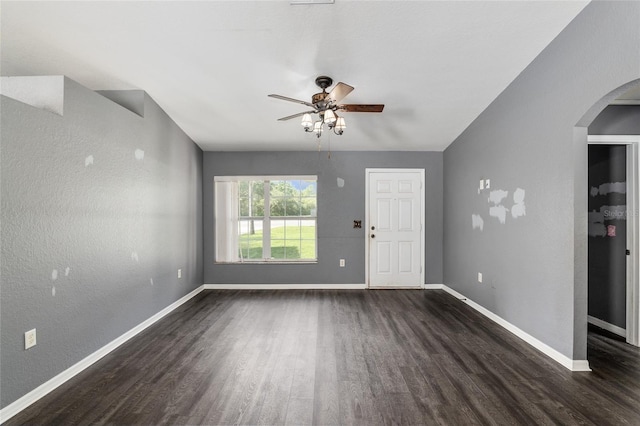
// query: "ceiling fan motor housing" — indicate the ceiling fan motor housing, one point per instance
point(318, 99)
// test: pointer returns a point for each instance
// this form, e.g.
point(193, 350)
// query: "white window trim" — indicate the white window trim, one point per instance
point(235, 259)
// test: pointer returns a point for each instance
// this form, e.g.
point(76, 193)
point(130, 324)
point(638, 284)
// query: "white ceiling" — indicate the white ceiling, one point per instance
point(211, 64)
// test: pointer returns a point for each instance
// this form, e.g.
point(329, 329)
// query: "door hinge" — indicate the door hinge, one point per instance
point(628, 252)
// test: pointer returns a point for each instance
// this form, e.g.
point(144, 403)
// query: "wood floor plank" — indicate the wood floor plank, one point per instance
point(356, 357)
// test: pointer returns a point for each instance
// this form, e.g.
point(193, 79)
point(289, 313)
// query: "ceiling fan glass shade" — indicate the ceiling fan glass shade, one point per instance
point(317, 128)
point(329, 117)
point(340, 125)
point(307, 122)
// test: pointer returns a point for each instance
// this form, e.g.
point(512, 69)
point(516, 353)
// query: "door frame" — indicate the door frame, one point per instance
point(368, 172)
point(633, 227)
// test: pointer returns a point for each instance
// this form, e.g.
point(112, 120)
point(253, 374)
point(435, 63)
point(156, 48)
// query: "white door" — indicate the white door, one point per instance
point(395, 222)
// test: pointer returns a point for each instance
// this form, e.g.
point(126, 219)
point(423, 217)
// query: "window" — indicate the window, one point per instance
point(266, 219)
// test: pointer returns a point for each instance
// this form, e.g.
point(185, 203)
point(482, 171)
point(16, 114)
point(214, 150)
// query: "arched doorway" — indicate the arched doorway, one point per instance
point(581, 235)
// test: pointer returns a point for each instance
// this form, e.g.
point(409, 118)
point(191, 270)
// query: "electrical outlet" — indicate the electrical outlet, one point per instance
point(30, 339)
point(479, 277)
point(179, 273)
point(342, 263)
point(481, 183)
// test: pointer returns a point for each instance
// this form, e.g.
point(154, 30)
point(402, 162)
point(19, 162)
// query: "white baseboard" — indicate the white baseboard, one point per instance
point(607, 326)
point(285, 286)
point(571, 364)
point(20, 404)
point(434, 286)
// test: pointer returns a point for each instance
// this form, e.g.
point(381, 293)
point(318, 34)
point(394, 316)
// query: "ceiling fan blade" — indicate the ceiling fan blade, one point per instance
point(284, 98)
point(289, 117)
point(338, 92)
point(362, 108)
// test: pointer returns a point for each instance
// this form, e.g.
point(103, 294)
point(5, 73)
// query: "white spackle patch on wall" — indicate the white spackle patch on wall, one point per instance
point(139, 154)
point(53, 291)
point(597, 230)
point(54, 275)
point(596, 227)
point(497, 196)
point(608, 188)
point(499, 212)
point(134, 256)
point(151, 281)
point(340, 183)
point(518, 208)
point(477, 222)
point(66, 271)
point(88, 161)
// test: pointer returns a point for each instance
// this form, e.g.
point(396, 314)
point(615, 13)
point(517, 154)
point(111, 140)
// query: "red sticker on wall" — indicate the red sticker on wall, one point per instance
point(611, 230)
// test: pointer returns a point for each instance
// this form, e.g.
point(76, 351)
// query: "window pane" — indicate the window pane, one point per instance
point(308, 249)
point(278, 206)
point(243, 198)
point(285, 198)
point(250, 239)
point(308, 188)
point(251, 198)
point(257, 197)
point(292, 207)
point(285, 239)
point(277, 229)
point(285, 250)
point(292, 230)
point(308, 206)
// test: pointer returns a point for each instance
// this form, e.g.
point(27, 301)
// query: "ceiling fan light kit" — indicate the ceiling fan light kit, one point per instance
point(326, 106)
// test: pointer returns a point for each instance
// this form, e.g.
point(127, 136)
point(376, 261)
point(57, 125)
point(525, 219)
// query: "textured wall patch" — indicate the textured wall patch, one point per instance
point(88, 161)
point(139, 154)
point(518, 208)
point(497, 196)
point(499, 212)
point(477, 222)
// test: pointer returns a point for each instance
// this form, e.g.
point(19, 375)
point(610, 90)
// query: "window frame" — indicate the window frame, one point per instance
point(266, 258)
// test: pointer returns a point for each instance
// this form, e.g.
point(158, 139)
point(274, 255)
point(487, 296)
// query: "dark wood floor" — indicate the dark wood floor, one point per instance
point(341, 357)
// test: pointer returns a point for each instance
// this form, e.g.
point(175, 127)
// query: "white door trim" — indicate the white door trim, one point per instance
point(368, 172)
point(633, 227)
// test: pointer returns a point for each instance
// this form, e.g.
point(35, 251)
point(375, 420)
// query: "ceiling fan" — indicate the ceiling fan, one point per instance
point(325, 104)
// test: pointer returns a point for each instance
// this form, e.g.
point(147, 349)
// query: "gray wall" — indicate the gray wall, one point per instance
point(534, 265)
point(607, 258)
point(107, 235)
point(617, 120)
point(337, 209)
